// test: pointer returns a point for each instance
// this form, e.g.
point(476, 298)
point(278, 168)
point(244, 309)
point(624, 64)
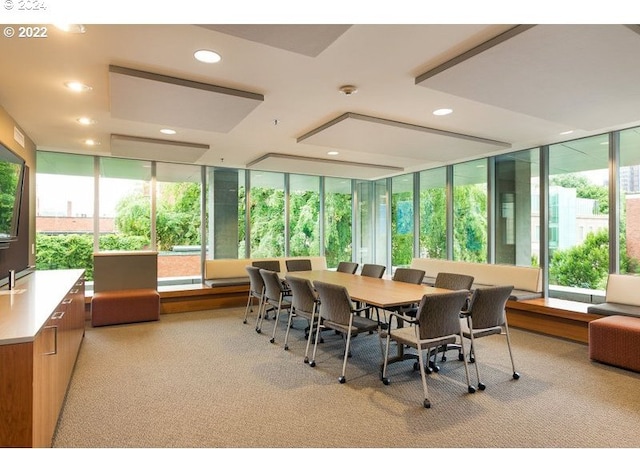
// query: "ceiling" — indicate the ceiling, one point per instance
point(273, 101)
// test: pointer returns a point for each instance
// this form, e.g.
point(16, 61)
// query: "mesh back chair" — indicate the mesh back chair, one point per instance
point(409, 275)
point(304, 304)
point(437, 323)
point(256, 289)
point(372, 270)
point(271, 265)
point(274, 294)
point(338, 312)
point(486, 316)
point(347, 267)
point(298, 264)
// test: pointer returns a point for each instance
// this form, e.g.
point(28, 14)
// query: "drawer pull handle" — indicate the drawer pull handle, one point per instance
point(67, 300)
point(57, 316)
point(55, 340)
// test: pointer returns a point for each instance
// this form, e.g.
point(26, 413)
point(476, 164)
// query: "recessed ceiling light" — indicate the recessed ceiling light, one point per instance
point(77, 86)
point(442, 111)
point(86, 121)
point(91, 142)
point(207, 56)
point(168, 131)
point(564, 133)
point(74, 28)
point(333, 153)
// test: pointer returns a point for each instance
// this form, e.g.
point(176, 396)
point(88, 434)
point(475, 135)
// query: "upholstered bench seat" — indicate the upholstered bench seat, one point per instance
point(615, 340)
point(227, 282)
point(125, 306)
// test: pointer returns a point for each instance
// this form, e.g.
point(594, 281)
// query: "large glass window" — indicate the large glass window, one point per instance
point(470, 211)
point(125, 205)
point(304, 215)
point(402, 219)
point(372, 230)
point(267, 214)
point(64, 212)
point(178, 224)
point(337, 221)
point(433, 213)
point(517, 215)
point(630, 201)
point(578, 214)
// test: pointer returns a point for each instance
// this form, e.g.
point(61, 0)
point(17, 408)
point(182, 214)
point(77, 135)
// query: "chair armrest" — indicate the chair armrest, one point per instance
point(400, 317)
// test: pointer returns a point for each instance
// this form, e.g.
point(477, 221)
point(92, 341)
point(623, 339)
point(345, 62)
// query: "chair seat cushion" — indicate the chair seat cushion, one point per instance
point(479, 333)
point(226, 282)
point(613, 308)
point(407, 336)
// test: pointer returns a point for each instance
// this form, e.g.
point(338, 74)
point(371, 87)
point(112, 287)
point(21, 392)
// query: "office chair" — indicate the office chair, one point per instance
point(274, 295)
point(409, 275)
point(298, 264)
point(304, 304)
point(437, 323)
point(338, 312)
point(256, 289)
point(347, 267)
point(486, 316)
point(271, 265)
point(372, 270)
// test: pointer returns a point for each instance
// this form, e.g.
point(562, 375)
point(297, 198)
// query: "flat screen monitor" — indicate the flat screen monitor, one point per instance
point(11, 179)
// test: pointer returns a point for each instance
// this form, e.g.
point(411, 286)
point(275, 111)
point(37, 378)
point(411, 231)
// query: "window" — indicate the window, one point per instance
point(579, 196)
point(402, 220)
point(433, 213)
point(470, 211)
point(267, 214)
point(337, 221)
point(630, 201)
point(64, 212)
point(304, 211)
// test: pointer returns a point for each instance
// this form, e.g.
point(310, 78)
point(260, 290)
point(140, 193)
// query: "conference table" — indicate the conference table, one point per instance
point(382, 293)
point(376, 292)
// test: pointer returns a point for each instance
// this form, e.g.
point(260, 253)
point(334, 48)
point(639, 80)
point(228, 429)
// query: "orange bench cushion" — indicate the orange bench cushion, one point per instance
point(125, 306)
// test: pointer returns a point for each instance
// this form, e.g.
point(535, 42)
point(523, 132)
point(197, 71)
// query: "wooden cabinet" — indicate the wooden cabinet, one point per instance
point(37, 358)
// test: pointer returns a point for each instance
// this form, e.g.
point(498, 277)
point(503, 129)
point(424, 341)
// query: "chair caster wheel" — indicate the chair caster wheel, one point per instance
point(427, 404)
point(481, 386)
point(312, 363)
point(385, 381)
point(244, 321)
point(416, 366)
point(461, 357)
point(258, 330)
point(306, 360)
point(471, 389)
point(472, 360)
point(443, 358)
point(272, 340)
point(516, 375)
point(286, 347)
point(342, 379)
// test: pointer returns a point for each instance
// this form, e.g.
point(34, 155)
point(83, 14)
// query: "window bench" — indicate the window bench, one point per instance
point(526, 281)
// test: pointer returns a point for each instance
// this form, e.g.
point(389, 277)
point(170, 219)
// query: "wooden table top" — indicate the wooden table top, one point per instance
point(384, 293)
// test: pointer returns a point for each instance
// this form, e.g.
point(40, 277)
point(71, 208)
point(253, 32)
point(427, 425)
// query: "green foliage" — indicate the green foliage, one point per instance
point(8, 183)
point(304, 224)
point(433, 225)
point(76, 250)
point(470, 224)
point(338, 237)
point(585, 265)
point(177, 215)
point(267, 222)
point(402, 228)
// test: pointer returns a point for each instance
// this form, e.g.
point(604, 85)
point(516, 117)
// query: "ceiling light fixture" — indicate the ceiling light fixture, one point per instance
point(86, 121)
point(348, 90)
point(564, 133)
point(91, 142)
point(168, 131)
point(207, 56)
point(442, 111)
point(333, 153)
point(77, 86)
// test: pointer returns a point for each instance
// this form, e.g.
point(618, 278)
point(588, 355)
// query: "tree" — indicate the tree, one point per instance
point(584, 189)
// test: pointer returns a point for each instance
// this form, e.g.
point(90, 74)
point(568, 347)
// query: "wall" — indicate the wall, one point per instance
point(19, 255)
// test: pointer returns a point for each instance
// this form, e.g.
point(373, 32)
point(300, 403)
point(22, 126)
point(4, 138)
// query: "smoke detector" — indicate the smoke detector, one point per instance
point(348, 90)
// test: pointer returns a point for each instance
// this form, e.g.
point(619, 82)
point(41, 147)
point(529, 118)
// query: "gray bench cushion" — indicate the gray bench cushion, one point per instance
point(226, 282)
point(612, 308)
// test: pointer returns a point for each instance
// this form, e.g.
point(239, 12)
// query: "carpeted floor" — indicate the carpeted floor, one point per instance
point(204, 379)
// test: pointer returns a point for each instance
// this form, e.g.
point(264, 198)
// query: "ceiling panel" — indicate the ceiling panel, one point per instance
point(570, 74)
point(367, 134)
point(168, 101)
point(156, 149)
